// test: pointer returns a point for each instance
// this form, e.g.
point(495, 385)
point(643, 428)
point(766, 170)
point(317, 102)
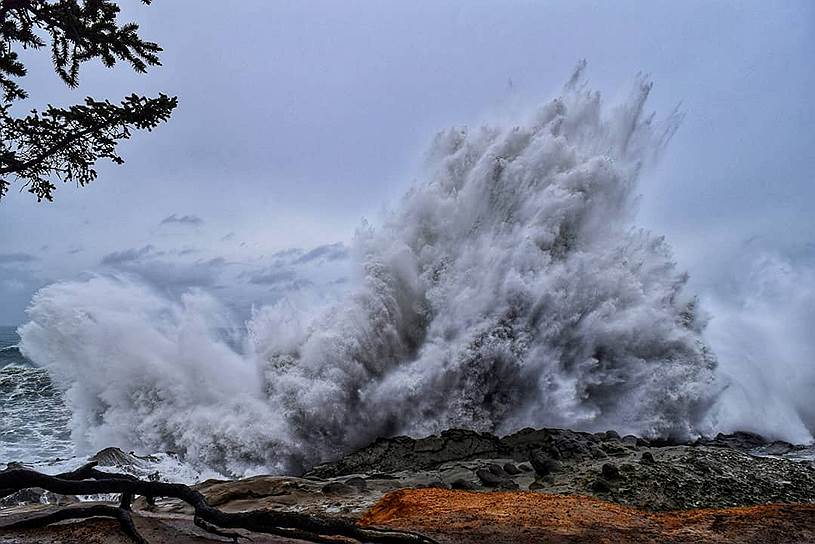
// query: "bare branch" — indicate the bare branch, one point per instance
point(90, 481)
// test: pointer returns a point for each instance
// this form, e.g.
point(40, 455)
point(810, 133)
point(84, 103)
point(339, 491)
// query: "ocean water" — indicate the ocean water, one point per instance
point(35, 425)
point(34, 419)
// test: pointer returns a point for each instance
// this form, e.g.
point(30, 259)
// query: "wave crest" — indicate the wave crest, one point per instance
point(508, 290)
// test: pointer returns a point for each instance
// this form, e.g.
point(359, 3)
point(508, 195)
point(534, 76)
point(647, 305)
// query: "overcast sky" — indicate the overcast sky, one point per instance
point(297, 120)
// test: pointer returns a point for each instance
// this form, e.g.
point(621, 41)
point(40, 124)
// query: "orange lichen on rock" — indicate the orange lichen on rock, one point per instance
point(514, 517)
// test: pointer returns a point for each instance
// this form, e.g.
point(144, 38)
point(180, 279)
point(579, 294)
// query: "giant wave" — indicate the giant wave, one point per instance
point(509, 289)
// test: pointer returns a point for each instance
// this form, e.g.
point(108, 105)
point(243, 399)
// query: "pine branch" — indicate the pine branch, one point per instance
point(65, 143)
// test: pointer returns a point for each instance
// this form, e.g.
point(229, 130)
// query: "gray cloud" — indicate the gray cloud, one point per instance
point(288, 253)
point(214, 262)
point(16, 258)
point(351, 121)
point(272, 277)
point(174, 276)
point(127, 256)
point(166, 269)
point(17, 282)
point(328, 252)
point(293, 267)
point(190, 220)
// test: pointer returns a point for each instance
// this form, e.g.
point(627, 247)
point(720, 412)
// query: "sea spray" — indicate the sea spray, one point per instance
point(762, 330)
point(507, 290)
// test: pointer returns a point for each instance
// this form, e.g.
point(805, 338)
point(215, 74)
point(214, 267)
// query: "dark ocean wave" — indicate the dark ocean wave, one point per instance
point(11, 356)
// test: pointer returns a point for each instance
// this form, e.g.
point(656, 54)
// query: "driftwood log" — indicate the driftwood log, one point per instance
point(87, 480)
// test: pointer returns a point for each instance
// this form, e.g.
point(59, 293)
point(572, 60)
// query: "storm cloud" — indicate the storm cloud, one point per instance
point(189, 220)
point(16, 258)
point(325, 122)
point(329, 252)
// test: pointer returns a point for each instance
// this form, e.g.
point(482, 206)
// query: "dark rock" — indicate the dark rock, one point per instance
point(463, 485)
point(614, 449)
point(779, 447)
point(743, 441)
point(542, 463)
point(358, 483)
point(600, 486)
point(114, 457)
point(511, 469)
point(727, 470)
point(402, 453)
point(557, 443)
point(381, 476)
point(542, 483)
point(436, 484)
point(612, 435)
point(552, 451)
point(537, 484)
point(597, 453)
point(407, 454)
point(36, 495)
point(630, 440)
point(661, 443)
point(488, 478)
point(338, 488)
point(24, 496)
point(498, 470)
point(610, 472)
point(701, 468)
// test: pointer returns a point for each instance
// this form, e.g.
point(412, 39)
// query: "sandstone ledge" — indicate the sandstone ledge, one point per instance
point(460, 517)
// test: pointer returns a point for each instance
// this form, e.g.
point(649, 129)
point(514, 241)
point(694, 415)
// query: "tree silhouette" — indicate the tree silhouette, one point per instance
point(64, 144)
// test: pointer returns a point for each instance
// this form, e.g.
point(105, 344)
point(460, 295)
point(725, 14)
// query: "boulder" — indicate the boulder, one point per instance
point(463, 485)
point(543, 464)
point(511, 469)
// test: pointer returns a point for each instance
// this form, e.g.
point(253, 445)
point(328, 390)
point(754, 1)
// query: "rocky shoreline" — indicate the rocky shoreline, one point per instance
point(740, 469)
point(650, 477)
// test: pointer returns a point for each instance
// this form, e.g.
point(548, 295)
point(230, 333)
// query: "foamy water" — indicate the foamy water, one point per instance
point(508, 289)
point(34, 420)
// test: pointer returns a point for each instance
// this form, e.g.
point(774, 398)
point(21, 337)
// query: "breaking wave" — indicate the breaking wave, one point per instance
point(763, 337)
point(507, 290)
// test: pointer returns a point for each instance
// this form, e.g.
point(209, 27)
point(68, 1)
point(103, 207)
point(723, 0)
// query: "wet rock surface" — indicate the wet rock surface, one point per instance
point(654, 476)
point(37, 496)
point(728, 470)
point(739, 469)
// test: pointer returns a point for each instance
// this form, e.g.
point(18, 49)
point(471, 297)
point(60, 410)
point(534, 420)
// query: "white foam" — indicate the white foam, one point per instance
point(508, 289)
point(763, 334)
